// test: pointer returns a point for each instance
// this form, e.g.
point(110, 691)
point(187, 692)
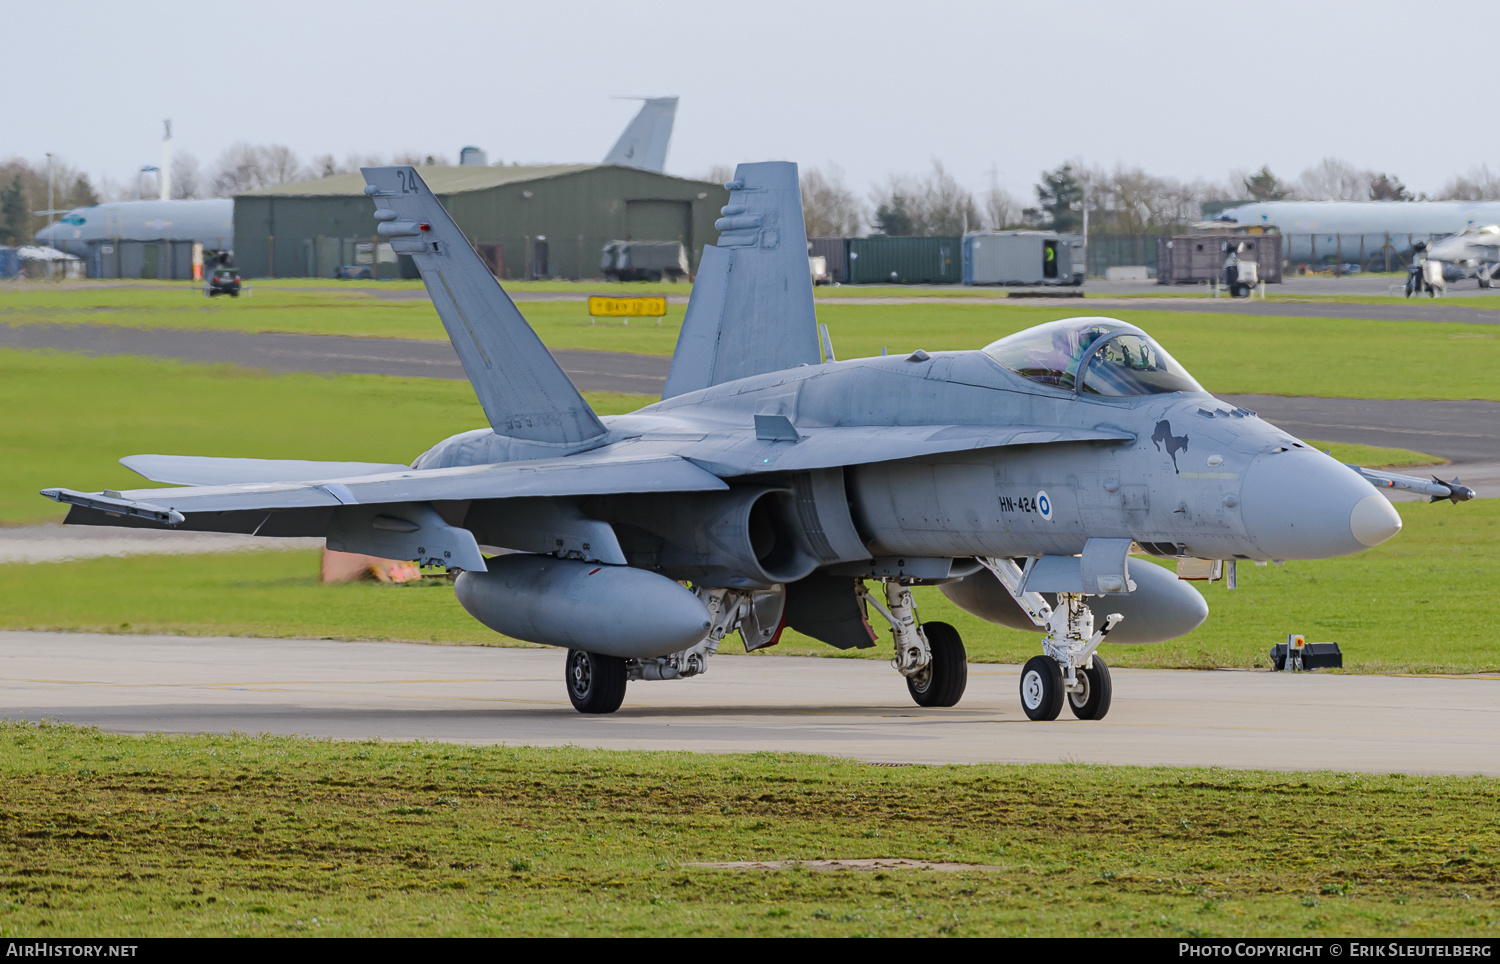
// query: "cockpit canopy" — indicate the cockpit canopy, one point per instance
point(1117, 360)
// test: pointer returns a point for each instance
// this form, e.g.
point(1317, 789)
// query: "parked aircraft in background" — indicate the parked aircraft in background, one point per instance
point(646, 138)
point(780, 483)
point(209, 222)
point(1475, 251)
point(1321, 230)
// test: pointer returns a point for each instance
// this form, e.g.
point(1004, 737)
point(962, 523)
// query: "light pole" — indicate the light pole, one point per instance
point(1085, 228)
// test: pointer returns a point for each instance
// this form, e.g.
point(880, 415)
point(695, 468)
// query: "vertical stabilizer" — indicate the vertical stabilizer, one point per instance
point(751, 310)
point(524, 392)
point(644, 143)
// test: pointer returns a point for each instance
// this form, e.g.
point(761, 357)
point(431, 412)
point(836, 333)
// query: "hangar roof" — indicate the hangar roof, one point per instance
point(442, 180)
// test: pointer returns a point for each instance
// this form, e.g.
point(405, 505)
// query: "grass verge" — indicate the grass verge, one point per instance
point(1374, 456)
point(274, 836)
point(1421, 603)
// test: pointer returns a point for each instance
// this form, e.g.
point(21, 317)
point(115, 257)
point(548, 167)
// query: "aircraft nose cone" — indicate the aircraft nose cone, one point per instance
point(1301, 504)
point(1374, 520)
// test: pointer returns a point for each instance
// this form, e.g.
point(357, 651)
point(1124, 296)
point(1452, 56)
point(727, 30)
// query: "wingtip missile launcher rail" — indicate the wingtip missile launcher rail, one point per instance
point(1436, 490)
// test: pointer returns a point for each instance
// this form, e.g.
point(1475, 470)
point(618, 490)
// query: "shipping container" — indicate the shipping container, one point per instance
point(905, 261)
point(1022, 258)
point(834, 252)
point(1197, 258)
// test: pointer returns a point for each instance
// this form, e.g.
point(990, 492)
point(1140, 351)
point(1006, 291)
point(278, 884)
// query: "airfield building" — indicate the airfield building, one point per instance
point(528, 222)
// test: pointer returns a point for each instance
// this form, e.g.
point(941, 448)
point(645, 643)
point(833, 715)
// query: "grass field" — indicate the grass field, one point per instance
point(200, 836)
point(1421, 603)
point(1349, 358)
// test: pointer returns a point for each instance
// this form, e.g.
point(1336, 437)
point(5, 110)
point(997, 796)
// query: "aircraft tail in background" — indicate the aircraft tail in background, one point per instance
point(644, 143)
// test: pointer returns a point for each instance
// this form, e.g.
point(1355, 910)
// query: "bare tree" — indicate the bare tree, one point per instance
point(929, 206)
point(719, 173)
point(324, 165)
point(187, 178)
point(282, 165)
point(246, 167)
point(1480, 184)
point(1002, 209)
point(1333, 179)
point(419, 159)
point(240, 168)
point(829, 208)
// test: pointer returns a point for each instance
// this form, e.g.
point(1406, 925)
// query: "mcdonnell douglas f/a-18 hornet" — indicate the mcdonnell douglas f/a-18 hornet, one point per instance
point(773, 486)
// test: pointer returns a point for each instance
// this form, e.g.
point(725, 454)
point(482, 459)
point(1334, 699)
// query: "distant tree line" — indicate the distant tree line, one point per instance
point(1125, 200)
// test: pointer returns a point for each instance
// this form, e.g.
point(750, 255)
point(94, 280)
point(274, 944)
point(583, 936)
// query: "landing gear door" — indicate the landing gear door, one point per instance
point(762, 625)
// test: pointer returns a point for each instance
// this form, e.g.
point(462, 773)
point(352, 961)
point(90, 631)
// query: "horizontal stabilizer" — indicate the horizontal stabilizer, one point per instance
point(524, 392)
point(578, 475)
point(751, 310)
point(202, 470)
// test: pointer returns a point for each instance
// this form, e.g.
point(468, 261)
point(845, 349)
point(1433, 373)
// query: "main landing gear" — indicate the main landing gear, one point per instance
point(1068, 670)
point(930, 656)
point(596, 682)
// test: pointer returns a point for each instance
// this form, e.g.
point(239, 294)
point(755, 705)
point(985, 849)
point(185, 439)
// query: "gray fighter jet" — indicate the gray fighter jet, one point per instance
point(774, 486)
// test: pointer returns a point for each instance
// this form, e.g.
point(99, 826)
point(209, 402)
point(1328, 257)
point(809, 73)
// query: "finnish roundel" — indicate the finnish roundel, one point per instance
point(1044, 505)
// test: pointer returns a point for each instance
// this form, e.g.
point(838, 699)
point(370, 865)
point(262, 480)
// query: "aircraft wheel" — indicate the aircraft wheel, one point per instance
point(1041, 688)
point(942, 682)
point(1093, 702)
point(596, 683)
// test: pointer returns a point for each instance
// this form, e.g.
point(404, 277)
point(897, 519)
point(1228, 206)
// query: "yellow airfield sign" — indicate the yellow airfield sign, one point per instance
point(627, 308)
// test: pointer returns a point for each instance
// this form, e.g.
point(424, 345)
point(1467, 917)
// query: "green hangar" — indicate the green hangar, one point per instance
point(538, 222)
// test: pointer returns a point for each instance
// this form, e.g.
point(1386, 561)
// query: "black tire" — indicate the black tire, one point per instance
point(1041, 688)
point(942, 683)
point(596, 683)
point(234, 294)
point(1094, 701)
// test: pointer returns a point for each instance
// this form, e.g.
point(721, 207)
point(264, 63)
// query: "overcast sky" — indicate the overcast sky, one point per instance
point(1184, 89)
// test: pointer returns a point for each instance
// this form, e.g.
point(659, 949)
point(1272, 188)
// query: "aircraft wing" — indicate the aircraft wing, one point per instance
point(540, 477)
point(780, 447)
point(203, 470)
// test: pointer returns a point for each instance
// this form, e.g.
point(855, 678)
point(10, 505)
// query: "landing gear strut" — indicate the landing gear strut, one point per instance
point(930, 656)
point(596, 683)
point(1067, 669)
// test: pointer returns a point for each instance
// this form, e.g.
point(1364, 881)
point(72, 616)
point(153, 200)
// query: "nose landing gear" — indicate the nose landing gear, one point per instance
point(1067, 671)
